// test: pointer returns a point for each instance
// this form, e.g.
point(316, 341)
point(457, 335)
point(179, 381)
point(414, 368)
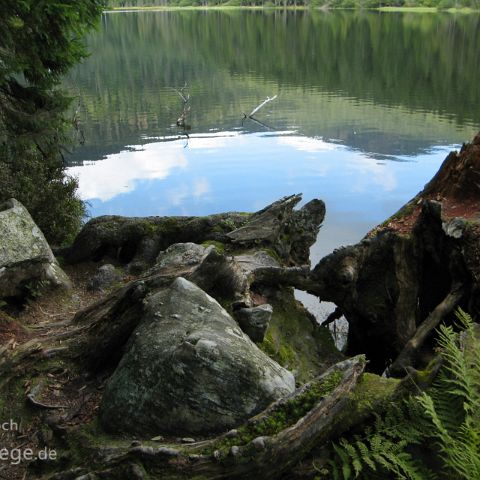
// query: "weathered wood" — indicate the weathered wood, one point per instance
point(137, 241)
point(298, 277)
point(445, 307)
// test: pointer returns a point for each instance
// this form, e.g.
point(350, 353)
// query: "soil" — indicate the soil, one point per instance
point(451, 208)
point(67, 397)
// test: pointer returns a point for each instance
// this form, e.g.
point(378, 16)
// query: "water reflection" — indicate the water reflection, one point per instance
point(367, 107)
point(120, 173)
point(224, 171)
point(381, 84)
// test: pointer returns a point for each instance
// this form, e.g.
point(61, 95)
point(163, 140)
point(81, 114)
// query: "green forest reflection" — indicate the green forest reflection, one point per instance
point(392, 84)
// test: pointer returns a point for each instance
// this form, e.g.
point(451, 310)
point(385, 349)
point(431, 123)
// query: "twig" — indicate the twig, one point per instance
point(50, 314)
point(182, 96)
point(258, 122)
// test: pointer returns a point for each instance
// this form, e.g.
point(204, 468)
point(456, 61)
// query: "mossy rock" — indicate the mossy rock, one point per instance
point(293, 341)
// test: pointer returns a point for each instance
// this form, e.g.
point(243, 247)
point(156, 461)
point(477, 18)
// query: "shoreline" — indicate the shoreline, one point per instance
point(465, 10)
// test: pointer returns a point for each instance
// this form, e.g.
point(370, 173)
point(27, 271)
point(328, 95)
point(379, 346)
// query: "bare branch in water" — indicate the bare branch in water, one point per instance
point(256, 109)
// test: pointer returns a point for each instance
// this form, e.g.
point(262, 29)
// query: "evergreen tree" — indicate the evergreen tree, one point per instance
point(40, 40)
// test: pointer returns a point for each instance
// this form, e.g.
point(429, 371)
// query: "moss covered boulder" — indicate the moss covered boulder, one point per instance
point(25, 256)
point(189, 369)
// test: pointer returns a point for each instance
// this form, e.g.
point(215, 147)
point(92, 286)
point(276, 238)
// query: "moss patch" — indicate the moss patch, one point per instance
point(219, 246)
point(372, 391)
point(283, 416)
point(293, 342)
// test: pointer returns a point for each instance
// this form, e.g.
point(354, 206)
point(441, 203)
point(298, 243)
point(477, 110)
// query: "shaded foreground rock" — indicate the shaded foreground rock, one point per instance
point(25, 256)
point(324, 408)
point(189, 368)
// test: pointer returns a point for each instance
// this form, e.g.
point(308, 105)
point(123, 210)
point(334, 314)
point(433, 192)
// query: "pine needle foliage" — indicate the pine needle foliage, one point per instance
point(40, 41)
point(443, 423)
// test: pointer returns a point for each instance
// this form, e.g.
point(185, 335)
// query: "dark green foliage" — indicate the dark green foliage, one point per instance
point(383, 447)
point(452, 407)
point(41, 41)
point(440, 427)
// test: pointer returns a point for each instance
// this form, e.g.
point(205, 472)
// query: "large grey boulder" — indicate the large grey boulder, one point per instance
point(189, 369)
point(25, 256)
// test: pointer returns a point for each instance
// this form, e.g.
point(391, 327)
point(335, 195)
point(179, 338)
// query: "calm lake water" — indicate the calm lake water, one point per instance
point(367, 106)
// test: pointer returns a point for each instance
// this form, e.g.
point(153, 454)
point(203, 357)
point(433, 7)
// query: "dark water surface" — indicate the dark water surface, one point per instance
point(368, 105)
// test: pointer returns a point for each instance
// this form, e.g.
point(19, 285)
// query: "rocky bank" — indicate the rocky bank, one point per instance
point(191, 357)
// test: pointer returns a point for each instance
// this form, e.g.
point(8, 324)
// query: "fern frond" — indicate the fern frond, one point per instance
point(448, 413)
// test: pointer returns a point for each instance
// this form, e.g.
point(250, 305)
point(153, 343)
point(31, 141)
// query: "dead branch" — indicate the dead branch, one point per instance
point(445, 307)
point(257, 108)
point(335, 315)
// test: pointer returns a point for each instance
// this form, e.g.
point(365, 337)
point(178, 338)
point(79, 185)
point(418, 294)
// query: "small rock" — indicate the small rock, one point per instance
point(188, 440)
point(259, 443)
point(135, 443)
point(454, 228)
point(181, 255)
point(232, 433)
point(105, 276)
point(235, 451)
point(158, 438)
point(254, 321)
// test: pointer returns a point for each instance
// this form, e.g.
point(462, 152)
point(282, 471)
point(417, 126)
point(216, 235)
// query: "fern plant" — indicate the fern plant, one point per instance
point(453, 405)
point(444, 421)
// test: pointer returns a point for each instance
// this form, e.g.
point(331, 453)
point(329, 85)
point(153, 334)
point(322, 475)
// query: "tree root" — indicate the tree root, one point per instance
point(446, 306)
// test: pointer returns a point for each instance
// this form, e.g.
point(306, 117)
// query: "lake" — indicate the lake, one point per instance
point(367, 106)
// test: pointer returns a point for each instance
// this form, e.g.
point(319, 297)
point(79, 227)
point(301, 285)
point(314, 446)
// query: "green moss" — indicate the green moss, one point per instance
point(292, 341)
point(282, 353)
point(372, 391)
point(220, 247)
point(283, 416)
point(225, 226)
